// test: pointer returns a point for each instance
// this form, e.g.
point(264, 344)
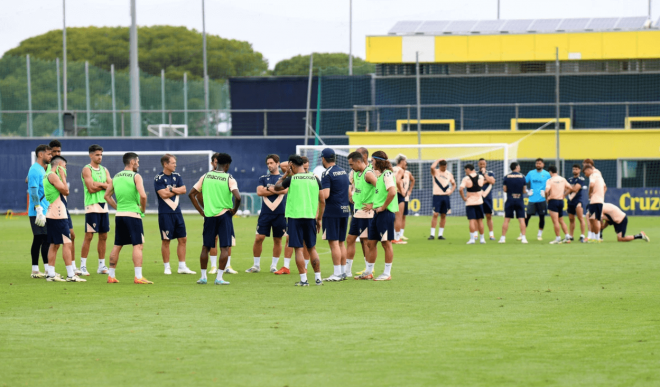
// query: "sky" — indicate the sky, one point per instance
point(286, 28)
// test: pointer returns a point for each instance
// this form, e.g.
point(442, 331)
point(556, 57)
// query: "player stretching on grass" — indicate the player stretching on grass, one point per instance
point(364, 183)
point(131, 203)
point(271, 217)
point(217, 188)
point(401, 191)
point(303, 219)
point(169, 186)
point(596, 200)
point(334, 184)
point(555, 189)
point(514, 186)
point(473, 183)
point(575, 202)
point(617, 218)
point(56, 191)
point(443, 186)
point(537, 204)
point(37, 209)
point(96, 180)
point(487, 193)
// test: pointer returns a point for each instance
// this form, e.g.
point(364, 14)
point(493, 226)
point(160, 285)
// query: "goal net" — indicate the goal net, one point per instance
point(191, 165)
point(420, 158)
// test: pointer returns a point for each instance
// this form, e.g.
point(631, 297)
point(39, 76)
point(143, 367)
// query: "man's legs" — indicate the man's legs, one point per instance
point(257, 247)
point(72, 248)
point(137, 260)
point(580, 217)
point(571, 222)
point(489, 222)
point(505, 227)
point(84, 250)
point(434, 222)
point(389, 258)
point(398, 221)
point(523, 228)
point(336, 253)
point(555, 222)
point(165, 252)
point(114, 257)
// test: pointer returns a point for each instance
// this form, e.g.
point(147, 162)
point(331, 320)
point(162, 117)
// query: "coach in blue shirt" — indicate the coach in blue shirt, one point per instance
point(537, 203)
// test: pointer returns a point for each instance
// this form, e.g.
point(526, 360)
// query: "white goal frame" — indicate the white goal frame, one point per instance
point(174, 130)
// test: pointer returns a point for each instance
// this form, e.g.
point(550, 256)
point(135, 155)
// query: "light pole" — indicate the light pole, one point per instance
point(136, 122)
point(206, 76)
point(64, 50)
point(350, 38)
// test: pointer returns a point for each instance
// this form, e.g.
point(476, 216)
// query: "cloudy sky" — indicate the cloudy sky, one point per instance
point(285, 28)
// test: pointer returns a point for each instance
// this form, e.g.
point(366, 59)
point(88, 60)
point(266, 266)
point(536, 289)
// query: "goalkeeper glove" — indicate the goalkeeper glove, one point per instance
point(41, 218)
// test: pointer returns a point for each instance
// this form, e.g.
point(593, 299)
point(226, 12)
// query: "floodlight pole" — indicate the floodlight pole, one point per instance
point(136, 121)
point(64, 51)
point(419, 106)
point(309, 97)
point(350, 38)
point(557, 112)
point(206, 77)
point(498, 9)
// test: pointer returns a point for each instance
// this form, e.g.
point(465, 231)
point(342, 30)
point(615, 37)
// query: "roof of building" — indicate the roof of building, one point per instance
point(518, 26)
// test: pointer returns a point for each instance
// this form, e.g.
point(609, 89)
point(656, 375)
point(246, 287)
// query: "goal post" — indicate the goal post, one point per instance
point(191, 165)
point(421, 157)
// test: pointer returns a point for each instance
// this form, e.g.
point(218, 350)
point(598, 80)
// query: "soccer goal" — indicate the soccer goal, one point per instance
point(191, 165)
point(420, 158)
point(166, 130)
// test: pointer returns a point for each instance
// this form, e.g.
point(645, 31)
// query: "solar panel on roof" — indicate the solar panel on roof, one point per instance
point(429, 27)
point(602, 23)
point(516, 25)
point(404, 27)
point(544, 25)
point(628, 23)
point(488, 25)
point(573, 24)
point(461, 26)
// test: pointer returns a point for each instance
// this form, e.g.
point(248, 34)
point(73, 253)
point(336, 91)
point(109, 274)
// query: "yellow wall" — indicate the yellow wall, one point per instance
point(574, 144)
point(525, 47)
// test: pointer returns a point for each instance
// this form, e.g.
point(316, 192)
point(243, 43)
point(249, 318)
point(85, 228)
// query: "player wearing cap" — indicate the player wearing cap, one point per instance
point(574, 197)
point(487, 193)
point(556, 188)
point(363, 180)
point(537, 204)
point(612, 215)
point(443, 186)
point(402, 182)
point(514, 186)
point(473, 183)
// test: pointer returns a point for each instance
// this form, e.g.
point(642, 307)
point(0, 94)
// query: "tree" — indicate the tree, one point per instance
point(335, 64)
point(175, 49)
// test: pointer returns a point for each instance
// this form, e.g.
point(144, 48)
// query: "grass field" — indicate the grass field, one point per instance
point(529, 315)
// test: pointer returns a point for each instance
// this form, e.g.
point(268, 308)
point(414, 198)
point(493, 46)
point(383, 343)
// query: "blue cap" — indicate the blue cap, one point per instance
point(328, 153)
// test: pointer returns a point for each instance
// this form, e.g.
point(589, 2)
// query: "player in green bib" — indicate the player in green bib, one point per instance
point(304, 212)
point(382, 225)
point(131, 203)
point(363, 180)
point(221, 201)
point(96, 180)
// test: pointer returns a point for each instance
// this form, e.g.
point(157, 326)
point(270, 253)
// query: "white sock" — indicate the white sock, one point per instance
point(337, 270)
point(433, 231)
point(101, 262)
point(257, 261)
point(219, 275)
point(317, 276)
point(481, 237)
point(349, 266)
point(46, 266)
point(303, 277)
point(540, 233)
point(73, 263)
point(370, 267)
point(214, 261)
point(138, 272)
point(287, 262)
point(203, 273)
point(582, 236)
point(182, 265)
point(365, 262)
point(83, 262)
point(402, 233)
point(343, 269)
point(69, 271)
point(388, 269)
point(558, 238)
point(524, 238)
point(476, 234)
point(568, 236)
point(50, 270)
point(503, 238)
point(35, 267)
point(441, 230)
point(306, 263)
point(167, 265)
point(228, 262)
point(275, 260)
point(112, 273)
point(471, 236)
point(491, 234)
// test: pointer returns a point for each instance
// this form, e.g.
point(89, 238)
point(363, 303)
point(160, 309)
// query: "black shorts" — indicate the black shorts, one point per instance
point(70, 221)
point(405, 208)
point(98, 222)
point(515, 208)
point(221, 227)
point(172, 226)
point(596, 210)
point(488, 205)
point(36, 230)
point(59, 232)
point(275, 221)
point(301, 231)
point(572, 208)
point(382, 226)
point(474, 212)
point(400, 198)
point(621, 227)
point(538, 208)
point(441, 204)
point(128, 231)
point(556, 205)
point(359, 227)
point(334, 229)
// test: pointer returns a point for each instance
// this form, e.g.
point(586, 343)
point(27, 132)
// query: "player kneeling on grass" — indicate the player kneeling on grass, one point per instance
point(169, 186)
point(56, 191)
point(515, 188)
point(617, 218)
point(381, 228)
point(131, 203)
point(304, 213)
point(217, 188)
point(472, 183)
point(555, 189)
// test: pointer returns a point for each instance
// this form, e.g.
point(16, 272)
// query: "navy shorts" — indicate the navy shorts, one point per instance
point(474, 212)
point(334, 229)
point(405, 208)
point(538, 208)
point(488, 205)
point(36, 230)
point(556, 205)
point(59, 232)
point(275, 221)
point(128, 231)
point(572, 208)
point(98, 222)
point(221, 227)
point(171, 226)
point(514, 209)
point(441, 204)
point(382, 227)
point(621, 227)
point(400, 198)
point(301, 231)
point(359, 227)
point(596, 210)
point(70, 221)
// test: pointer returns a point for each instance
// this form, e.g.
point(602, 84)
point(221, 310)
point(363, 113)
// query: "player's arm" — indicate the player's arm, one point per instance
point(576, 188)
point(180, 190)
point(237, 200)
point(321, 209)
point(165, 192)
point(193, 198)
point(33, 189)
point(60, 185)
point(284, 182)
point(139, 184)
point(460, 190)
point(91, 185)
point(373, 180)
point(489, 179)
point(108, 196)
point(412, 185)
point(453, 185)
point(391, 194)
point(434, 166)
point(325, 186)
point(548, 189)
point(504, 185)
point(591, 188)
point(399, 180)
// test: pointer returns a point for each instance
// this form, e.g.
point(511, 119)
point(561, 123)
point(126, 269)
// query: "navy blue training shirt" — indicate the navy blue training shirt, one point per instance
point(577, 198)
point(337, 204)
point(515, 183)
point(269, 204)
point(171, 205)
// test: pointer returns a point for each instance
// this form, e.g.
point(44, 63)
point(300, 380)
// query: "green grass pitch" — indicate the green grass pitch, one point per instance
point(493, 315)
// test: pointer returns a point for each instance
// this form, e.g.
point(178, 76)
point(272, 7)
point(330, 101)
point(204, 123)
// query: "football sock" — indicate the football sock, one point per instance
point(214, 261)
point(433, 231)
point(219, 275)
point(541, 222)
point(396, 235)
point(471, 236)
point(35, 267)
point(303, 277)
point(524, 238)
point(44, 248)
point(182, 265)
point(203, 273)
point(73, 263)
point(306, 263)
point(402, 233)
point(481, 237)
point(349, 266)
point(102, 262)
point(343, 269)
point(502, 238)
point(287, 262)
point(365, 262)
point(167, 265)
point(388, 269)
point(112, 272)
point(582, 236)
point(370, 267)
point(69, 271)
point(491, 234)
point(568, 236)
point(138, 272)
point(275, 260)
point(257, 261)
point(228, 262)
point(441, 230)
point(46, 266)
point(639, 236)
point(83, 262)
point(34, 250)
point(540, 234)
point(50, 271)
point(337, 270)
point(558, 239)
point(317, 276)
